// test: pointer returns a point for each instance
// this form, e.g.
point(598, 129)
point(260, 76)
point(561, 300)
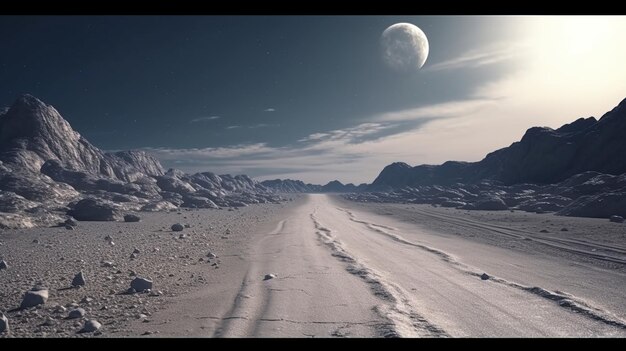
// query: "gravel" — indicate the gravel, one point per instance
point(107, 266)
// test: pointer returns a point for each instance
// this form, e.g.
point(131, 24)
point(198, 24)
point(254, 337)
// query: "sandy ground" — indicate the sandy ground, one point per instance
point(175, 265)
point(342, 269)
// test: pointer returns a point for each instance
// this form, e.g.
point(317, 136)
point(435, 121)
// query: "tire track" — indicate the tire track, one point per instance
point(564, 300)
point(403, 319)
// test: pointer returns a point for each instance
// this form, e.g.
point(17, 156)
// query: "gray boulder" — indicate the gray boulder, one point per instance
point(3, 265)
point(616, 219)
point(91, 326)
point(34, 297)
point(76, 313)
point(131, 218)
point(141, 284)
point(91, 209)
point(4, 324)
point(177, 227)
point(79, 280)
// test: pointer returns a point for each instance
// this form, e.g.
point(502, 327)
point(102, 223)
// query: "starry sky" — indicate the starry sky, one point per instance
point(308, 97)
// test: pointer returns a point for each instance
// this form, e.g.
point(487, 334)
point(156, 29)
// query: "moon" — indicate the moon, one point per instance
point(404, 47)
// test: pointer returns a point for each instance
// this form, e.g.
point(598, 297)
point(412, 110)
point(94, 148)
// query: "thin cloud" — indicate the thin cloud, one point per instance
point(233, 127)
point(448, 109)
point(271, 109)
point(204, 119)
point(476, 58)
point(348, 135)
point(263, 125)
point(366, 147)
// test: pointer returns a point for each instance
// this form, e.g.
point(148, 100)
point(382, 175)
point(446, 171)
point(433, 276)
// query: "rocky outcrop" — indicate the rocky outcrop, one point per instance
point(588, 194)
point(32, 133)
point(47, 170)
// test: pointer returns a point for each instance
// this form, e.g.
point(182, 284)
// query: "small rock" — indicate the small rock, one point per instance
point(35, 241)
point(60, 309)
point(48, 322)
point(79, 279)
point(141, 284)
point(108, 238)
point(544, 231)
point(182, 236)
point(156, 249)
point(155, 293)
point(177, 227)
point(4, 324)
point(485, 276)
point(211, 255)
point(136, 251)
point(131, 291)
point(107, 264)
point(111, 243)
point(76, 313)
point(269, 276)
point(132, 273)
point(131, 218)
point(91, 326)
point(187, 225)
point(564, 229)
point(34, 298)
point(141, 316)
point(133, 256)
point(86, 300)
point(3, 265)
point(616, 219)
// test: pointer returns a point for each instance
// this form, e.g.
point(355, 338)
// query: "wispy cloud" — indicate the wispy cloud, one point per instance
point(476, 58)
point(204, 119)
point(443, 110)
point(346, 135)
point(233, 151)
point(263, 125)
point(364, 148)
point(271, 109)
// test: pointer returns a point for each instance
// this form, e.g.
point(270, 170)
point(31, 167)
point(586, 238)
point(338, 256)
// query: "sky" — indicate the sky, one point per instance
point(310, 97)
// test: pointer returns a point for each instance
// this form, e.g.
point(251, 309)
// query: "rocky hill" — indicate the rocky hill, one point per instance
point(48, 170)
point(542, 156)
point(578, 169)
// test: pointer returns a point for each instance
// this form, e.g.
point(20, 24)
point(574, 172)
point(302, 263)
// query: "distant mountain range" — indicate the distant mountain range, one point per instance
point(298, 186)
point(578, 169)
point(543, 156)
